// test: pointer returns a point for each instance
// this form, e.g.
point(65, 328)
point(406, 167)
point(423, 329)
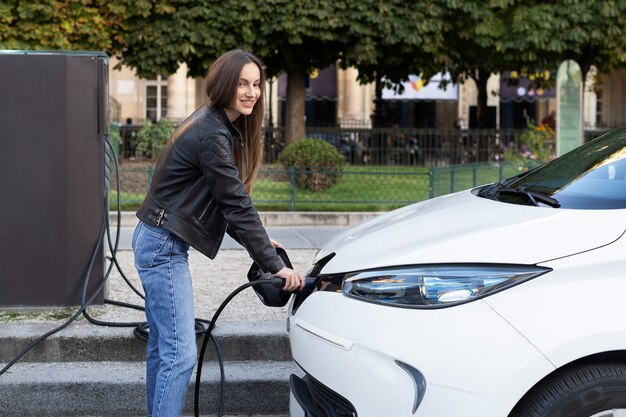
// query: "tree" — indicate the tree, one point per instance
point(56, 25)
point(294, 36)
point(588, 32)
point(297, 36)
point(290, 36)
point(395, 44)
point(485, 37)
point(473, 31)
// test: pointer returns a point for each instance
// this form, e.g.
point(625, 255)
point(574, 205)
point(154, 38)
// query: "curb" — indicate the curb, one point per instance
point(281, 218)
point(118, 388)
point(238, 341)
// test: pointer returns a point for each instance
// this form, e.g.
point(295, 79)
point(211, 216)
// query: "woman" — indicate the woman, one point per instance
point(200, 190)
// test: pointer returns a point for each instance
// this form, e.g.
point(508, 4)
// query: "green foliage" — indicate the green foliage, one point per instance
point(390, 39)
point(489, 36)
point(318, 163)
point(543, 34)
point(56, 24)
point(115, 140)
point(395, 39)
point(536, 143)
point(152, 138)
point(291, 36)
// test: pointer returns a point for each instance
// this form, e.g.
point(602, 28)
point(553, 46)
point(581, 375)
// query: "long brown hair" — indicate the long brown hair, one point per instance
point(221, 88)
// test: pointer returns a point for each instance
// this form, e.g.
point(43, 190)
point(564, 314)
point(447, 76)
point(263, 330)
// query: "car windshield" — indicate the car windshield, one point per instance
point(592, 176)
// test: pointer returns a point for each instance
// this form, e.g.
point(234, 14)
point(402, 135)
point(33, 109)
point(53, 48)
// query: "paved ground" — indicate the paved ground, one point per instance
point(213, 280)
point(291, 237)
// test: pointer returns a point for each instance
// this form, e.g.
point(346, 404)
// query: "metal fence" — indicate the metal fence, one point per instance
point(353, 189)
point(409, 147)
point(384, 146)
point(401, 146)
point(387, 167)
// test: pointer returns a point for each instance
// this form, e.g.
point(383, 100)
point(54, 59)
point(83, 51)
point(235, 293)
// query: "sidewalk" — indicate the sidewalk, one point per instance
point(89, 370)
point(302, 234)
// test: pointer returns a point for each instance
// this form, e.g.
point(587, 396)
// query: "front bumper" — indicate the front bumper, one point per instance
point(473, 362)
point(316, 399)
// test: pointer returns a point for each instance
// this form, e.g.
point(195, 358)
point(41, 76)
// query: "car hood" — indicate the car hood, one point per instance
point(463, 227)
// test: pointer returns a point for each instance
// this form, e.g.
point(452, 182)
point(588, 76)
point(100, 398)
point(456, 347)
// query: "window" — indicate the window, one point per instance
point(599, 106)
point(156, 99)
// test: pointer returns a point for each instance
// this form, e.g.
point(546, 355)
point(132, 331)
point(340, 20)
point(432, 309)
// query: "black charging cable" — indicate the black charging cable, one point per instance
point(77, 313)
point(141, 330)
point(85, 302)
point(267, 279)
point(276, 281)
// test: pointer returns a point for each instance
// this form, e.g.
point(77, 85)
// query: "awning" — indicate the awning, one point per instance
point(417, 89)
point(322, 84)
point(525, 89)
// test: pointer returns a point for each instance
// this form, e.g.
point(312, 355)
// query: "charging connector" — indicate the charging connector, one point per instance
point(309, 284)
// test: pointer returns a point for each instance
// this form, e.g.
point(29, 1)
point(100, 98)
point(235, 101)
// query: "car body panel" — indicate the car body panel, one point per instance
point(576, 310)
point(355, 354)
point(462, 227)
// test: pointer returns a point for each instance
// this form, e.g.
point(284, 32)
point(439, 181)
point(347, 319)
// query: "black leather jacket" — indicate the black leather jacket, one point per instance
point(196, 192)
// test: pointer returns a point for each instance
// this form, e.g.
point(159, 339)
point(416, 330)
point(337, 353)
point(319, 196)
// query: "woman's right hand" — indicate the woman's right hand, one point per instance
point(293, 279)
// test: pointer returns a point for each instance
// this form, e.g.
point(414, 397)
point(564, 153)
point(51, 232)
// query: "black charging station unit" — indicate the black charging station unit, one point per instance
point(53, 123)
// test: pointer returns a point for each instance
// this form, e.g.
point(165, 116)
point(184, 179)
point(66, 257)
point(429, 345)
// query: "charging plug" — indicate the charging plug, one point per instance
point(279, 282)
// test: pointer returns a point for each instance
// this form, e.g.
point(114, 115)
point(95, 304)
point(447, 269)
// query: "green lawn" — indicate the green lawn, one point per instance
point(360, 188)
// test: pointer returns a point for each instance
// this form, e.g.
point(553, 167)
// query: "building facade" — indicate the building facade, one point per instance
point(335, 98)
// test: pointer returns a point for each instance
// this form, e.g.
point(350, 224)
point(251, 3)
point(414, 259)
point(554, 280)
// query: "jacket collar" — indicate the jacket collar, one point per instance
point(229, 125)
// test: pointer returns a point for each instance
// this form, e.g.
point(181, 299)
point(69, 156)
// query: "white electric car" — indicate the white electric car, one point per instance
point(505, 300)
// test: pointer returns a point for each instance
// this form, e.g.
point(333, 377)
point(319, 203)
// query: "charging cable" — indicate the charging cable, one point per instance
point(268, 279)
point(141, 330)
point(85, 302)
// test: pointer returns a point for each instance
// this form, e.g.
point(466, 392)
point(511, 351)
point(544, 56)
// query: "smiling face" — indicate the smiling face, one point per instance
point(248, 92)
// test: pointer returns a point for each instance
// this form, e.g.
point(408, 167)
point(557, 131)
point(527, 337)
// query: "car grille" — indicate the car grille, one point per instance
point(317, 400)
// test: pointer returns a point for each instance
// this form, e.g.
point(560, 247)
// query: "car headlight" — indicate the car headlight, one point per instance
point(435, 286)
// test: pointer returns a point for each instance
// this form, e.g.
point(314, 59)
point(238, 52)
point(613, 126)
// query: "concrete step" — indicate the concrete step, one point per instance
point(264, 341)
point(107, 389)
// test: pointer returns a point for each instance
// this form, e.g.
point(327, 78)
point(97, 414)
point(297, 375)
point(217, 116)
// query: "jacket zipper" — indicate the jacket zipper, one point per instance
point(159, 219)
point(205, 209)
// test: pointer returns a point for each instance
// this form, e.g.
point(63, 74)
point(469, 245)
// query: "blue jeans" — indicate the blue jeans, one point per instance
point(162, 262)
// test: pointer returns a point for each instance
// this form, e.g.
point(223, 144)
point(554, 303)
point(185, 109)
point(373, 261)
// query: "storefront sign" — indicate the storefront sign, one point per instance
point(520, 87)
point(418, 89)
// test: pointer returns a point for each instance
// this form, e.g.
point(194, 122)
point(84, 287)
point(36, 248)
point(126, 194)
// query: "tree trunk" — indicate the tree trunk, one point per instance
point(378, 116)
point(482, 121)
point(481, 78)
point(294, 116)
point(378, 144)
point(296, 82)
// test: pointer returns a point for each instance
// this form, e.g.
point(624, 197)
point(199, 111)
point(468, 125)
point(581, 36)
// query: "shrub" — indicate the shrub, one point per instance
point(152, 137)
point(536, 143)
point(318, 164)
point(115, 140)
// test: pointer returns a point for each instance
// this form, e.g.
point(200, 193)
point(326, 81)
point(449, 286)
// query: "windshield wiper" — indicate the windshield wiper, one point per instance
point(491, 191)
point(534, 197)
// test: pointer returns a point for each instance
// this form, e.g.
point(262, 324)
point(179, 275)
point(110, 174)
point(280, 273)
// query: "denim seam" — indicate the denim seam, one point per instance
point(162, 241)
point(150, 231)
point(171, 282)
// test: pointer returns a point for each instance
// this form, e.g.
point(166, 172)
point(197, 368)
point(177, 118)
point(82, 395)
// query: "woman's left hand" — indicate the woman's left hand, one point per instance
point(276, 244)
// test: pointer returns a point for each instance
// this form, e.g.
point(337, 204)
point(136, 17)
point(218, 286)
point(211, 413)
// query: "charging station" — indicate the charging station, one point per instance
point(53, 123)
